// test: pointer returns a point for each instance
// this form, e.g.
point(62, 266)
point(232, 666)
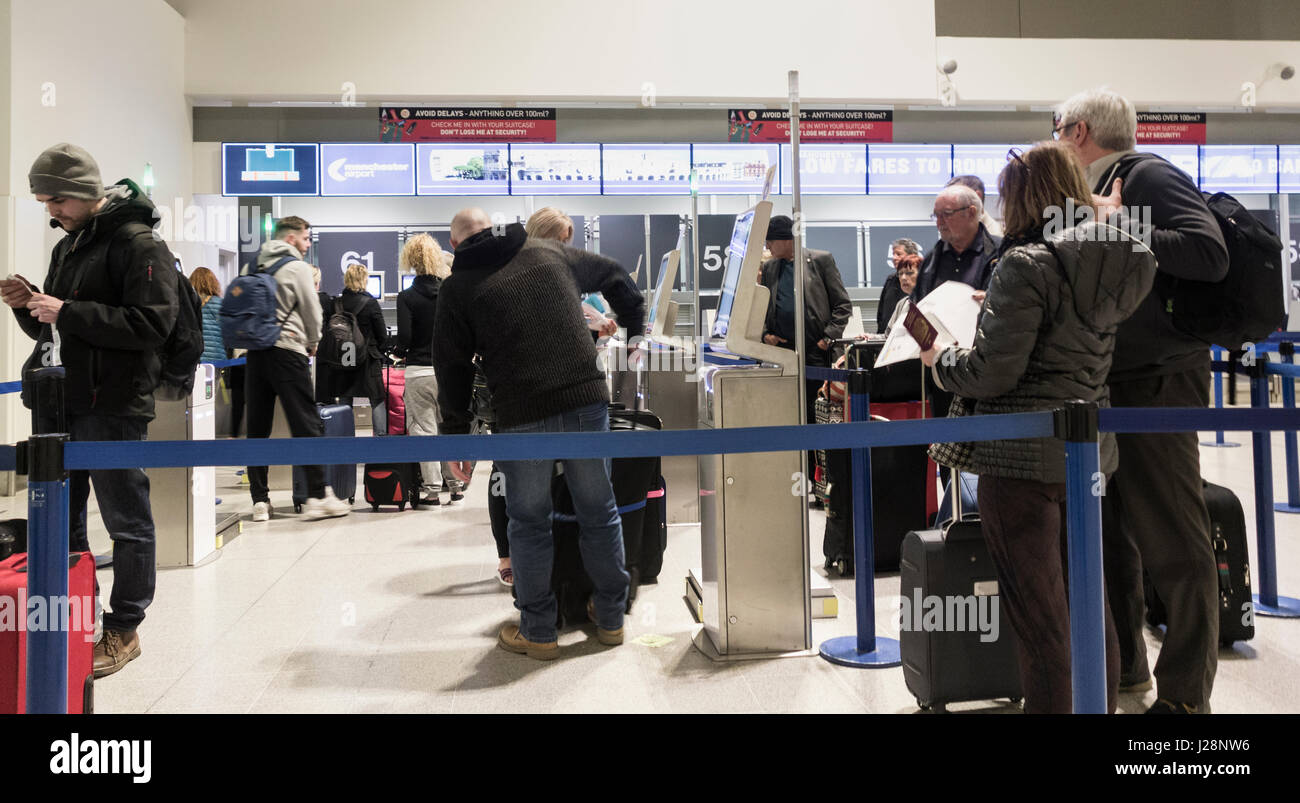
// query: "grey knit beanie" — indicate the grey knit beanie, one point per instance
point(66, 171)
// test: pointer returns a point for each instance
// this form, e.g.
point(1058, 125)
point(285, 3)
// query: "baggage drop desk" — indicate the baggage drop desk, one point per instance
point(752, 590)
point(186, 516)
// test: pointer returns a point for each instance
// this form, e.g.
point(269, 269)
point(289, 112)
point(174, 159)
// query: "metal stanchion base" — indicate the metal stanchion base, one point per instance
point(1283, 507)
point(1286, 608)
point(844, 651)
point(1224, 445)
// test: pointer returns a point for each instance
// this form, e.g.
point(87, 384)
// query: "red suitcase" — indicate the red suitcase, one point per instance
point(81, 633)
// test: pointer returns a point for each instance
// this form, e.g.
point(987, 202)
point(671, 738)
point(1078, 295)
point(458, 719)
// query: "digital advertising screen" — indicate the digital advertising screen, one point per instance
point(1186, 158)
point(1288, 168)
point(985, 161)
point(282, 168)
point(555, 170)
point(908, 169)
point(1239, 168)
point(370, 168)
point(647, 169)
point(826, 169)
point(733, 169)
point(462, 169)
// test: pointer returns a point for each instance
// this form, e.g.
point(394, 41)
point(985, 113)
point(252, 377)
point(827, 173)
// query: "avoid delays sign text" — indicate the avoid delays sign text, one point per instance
point(425, 124)
point(815, 125)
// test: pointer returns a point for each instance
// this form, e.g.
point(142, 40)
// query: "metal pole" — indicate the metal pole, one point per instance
point(800, 347)
point(695, 262)
point(866, 649)
point(1077, 424)
point(1215, 355)
point(1267, 601)
point(47, 575)
point(1287, 351)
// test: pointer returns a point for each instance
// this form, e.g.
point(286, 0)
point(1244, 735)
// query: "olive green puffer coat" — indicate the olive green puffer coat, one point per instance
point(1046, 336)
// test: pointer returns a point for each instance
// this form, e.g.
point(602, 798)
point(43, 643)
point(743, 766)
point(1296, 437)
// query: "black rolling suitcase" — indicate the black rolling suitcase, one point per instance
point(945, 665)
point(1232, 557)
point(339, 422)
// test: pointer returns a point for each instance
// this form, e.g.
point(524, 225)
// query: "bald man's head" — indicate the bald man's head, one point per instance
point(467, 223)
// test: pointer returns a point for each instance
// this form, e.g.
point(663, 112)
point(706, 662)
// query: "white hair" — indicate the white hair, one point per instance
point(1111, 119)
point(966, 195)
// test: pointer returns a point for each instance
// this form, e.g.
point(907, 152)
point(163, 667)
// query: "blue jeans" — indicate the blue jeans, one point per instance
point(532, 550)
point(123, 496)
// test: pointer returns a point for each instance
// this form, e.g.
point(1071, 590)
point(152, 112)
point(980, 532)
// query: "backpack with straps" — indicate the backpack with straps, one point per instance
point(342, 343)
point(1249, 303)
point(248, 310)
point(180, 352)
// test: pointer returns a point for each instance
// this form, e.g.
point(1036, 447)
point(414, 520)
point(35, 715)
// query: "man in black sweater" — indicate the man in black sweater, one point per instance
point(1154, 513)
point(514, 301)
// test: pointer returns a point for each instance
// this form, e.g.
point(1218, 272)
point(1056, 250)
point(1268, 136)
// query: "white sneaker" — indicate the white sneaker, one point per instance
point(327, 507)
point(261, 511)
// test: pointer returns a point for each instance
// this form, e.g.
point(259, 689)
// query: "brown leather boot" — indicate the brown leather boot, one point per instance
point(115, 650)
point(512, 640)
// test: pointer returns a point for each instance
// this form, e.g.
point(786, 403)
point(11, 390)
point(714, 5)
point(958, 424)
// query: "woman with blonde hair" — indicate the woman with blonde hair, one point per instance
point(1046, 336)
point(550, 223)
point(416, 307)
point(365, 378)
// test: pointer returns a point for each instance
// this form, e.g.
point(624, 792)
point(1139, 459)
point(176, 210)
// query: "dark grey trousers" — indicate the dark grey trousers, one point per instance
point(1154, 517)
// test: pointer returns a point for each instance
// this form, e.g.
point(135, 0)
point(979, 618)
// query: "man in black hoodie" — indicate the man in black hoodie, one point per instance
point(515, 302)
point(111, 301)
point(1154, 513)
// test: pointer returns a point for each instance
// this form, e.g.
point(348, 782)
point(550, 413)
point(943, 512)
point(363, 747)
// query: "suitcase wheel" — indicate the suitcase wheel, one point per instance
point(352, 500)
point(1226, 643)
point(401, 506)
point(374, 506)
point(297, 507)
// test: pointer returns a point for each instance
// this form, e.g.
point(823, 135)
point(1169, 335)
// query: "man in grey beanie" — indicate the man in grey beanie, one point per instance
point(110, 302)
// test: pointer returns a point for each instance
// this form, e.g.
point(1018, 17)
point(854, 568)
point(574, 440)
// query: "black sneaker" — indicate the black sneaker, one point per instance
point(431, 499)
point(457, 497)
point(1166, 707)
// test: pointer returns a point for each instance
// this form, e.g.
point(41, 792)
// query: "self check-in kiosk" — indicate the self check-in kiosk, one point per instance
point(752, 590)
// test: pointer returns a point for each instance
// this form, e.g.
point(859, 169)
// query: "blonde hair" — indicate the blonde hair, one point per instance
point(1038, 181)
point(354, 278)
point(424, 257)
point(315, 276)
point(550, 223)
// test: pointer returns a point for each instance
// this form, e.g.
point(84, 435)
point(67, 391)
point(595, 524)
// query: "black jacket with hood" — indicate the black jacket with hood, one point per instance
point(119, 292)
point(514, 301)
point(416, 307)
point(1046, 336)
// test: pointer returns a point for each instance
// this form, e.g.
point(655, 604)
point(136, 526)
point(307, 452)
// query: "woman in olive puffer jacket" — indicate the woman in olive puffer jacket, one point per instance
point(1046, 336)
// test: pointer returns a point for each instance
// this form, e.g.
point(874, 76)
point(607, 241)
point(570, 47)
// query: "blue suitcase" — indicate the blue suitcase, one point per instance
point(339, 423)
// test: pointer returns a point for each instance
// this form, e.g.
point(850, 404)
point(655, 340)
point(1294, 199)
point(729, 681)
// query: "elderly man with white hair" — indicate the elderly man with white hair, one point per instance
point(1154, 514)
point(966, 251)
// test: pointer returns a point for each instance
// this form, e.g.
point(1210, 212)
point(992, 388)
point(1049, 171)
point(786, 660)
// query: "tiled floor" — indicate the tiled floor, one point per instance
point(398, 612)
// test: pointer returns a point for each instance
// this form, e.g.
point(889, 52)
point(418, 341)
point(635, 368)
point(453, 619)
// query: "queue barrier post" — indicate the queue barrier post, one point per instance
point(1286, 350)
point(1077, 426)
point(41, 459)
point(1267, 601)
point(866, 649)
point(1216, 355)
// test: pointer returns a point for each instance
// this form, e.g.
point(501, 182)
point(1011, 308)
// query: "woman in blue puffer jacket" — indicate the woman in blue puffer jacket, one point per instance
point(209, 290)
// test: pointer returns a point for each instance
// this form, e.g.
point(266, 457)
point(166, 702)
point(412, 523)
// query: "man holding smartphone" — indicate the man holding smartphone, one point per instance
point(110, 303)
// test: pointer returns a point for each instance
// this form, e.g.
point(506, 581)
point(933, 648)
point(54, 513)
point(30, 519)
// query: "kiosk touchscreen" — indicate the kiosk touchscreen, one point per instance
point(742, 305)
point(662, 318)
point(375, 285)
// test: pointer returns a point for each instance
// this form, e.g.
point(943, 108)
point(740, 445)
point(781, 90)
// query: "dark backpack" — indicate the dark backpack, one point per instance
point(1249, 303)
point(248, 310)
point(342, 344)
point(180, 352)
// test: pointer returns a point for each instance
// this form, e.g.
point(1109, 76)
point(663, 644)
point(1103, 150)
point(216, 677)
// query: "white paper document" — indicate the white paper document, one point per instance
point(952, 310)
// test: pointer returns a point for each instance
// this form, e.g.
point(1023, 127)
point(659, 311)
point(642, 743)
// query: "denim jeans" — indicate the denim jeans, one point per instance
point(123, 496)
point(532, 550)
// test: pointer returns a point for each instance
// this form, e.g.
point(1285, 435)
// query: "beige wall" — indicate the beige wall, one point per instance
point(118, 91)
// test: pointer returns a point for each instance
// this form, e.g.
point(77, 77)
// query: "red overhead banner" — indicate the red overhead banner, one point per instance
point(1171, 128)
point(445, 124)
point(815, 125)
